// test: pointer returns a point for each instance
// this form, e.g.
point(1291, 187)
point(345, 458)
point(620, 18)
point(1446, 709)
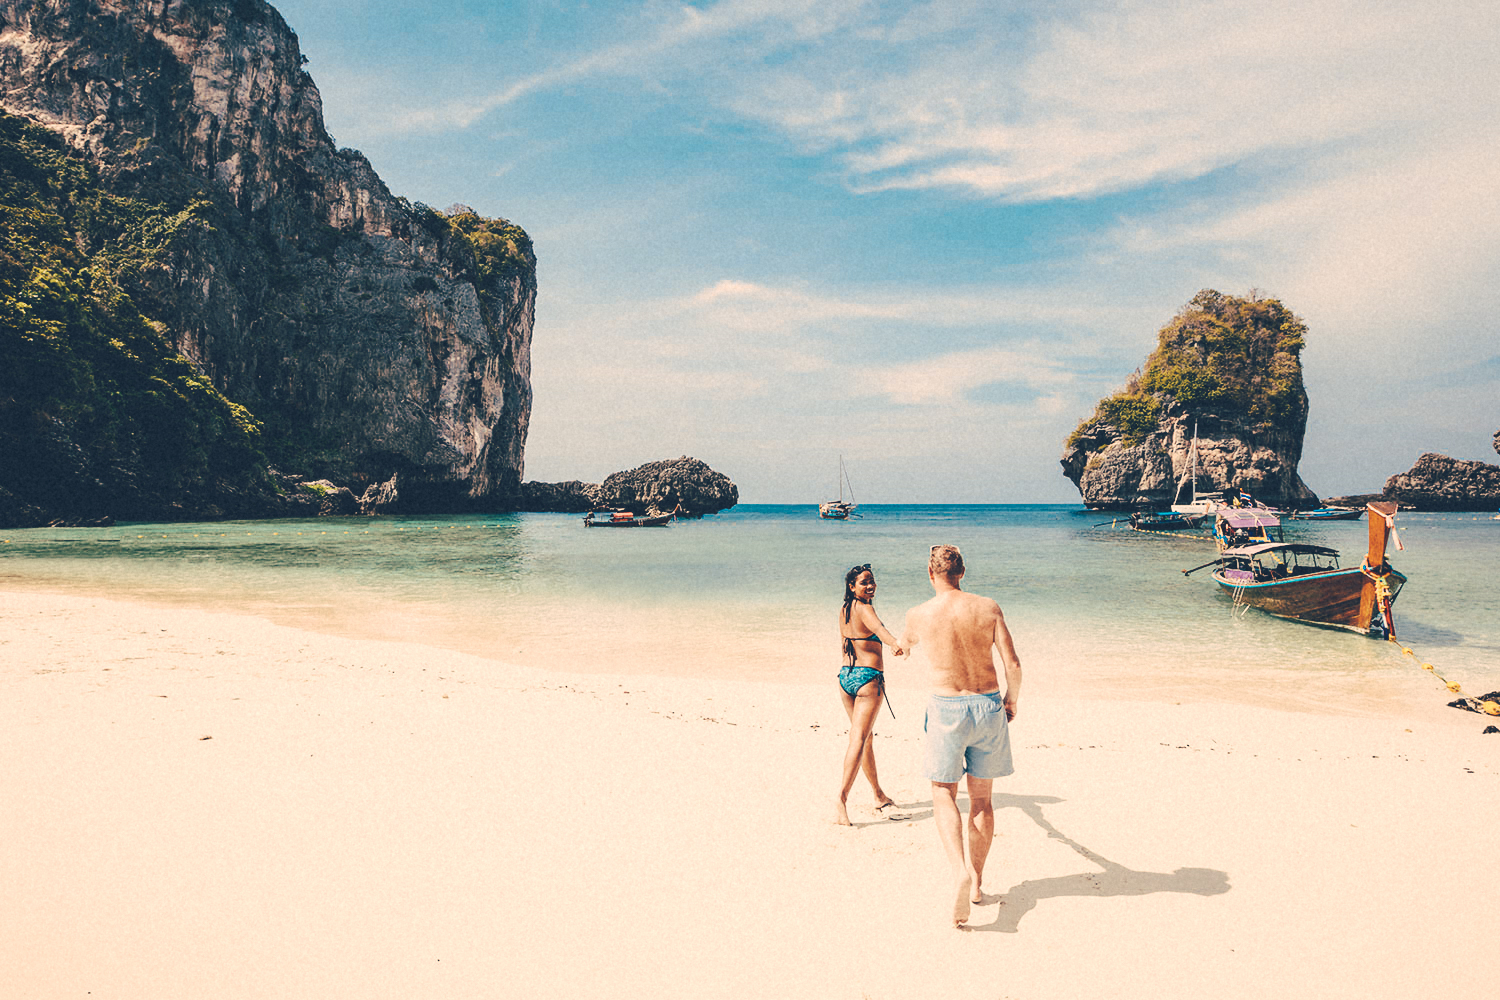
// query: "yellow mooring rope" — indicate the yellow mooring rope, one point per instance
point(1193, 534)
point(1485, 706)
point(1383, 599)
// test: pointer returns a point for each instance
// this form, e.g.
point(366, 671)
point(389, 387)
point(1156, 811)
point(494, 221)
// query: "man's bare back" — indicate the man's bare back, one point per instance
point(958, 631)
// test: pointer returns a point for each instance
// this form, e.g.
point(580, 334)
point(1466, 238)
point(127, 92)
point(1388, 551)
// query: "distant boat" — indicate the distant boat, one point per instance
point(1208, 503)
point(1304, 583)
point(627, 519)
point(1327, 514)
point(1200, 505)
point(840, 509)
point(1169, 520)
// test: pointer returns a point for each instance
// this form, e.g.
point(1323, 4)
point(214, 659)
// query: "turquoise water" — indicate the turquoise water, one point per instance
point(754, 592)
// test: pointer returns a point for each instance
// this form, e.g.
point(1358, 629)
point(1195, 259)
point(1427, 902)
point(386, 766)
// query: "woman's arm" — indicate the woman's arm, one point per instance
point(870, 620)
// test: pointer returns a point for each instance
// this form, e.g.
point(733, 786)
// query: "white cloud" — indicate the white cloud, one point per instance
point(945, 379)
point(765, 309)
point(1367, 256)
point(1127, 94)
point(661, 38)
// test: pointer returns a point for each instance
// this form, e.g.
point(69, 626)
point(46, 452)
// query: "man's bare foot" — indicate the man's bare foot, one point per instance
point(977, 896)
point(961, 901)
point(842, 817)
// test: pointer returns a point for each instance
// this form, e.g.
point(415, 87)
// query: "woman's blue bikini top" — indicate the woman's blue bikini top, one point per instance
point(850, 640)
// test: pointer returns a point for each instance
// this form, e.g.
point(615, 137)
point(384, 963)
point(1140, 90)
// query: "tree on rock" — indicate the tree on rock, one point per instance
point(1226, 369)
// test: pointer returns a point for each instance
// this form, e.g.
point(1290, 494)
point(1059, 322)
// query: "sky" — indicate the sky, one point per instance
point(928, 237)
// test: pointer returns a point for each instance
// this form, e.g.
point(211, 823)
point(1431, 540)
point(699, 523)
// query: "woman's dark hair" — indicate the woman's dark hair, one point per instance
point(849, 579)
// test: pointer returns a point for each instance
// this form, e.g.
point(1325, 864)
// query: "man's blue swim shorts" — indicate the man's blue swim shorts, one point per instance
point(967, 734)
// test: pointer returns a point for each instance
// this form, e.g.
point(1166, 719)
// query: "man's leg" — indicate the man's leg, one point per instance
point(950, 827)
point(981, 829)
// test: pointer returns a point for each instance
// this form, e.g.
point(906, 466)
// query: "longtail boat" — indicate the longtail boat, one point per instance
point(1327, 514)
point(1304, 583)
point(1169, 520)
point(626, 519)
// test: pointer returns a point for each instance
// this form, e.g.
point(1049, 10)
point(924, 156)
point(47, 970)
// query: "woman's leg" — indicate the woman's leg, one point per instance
point(861, 710)
point(867, 762)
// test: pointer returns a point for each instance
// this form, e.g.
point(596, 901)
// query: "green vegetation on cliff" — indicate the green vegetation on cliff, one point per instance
point(77, 356)
point(1232, 356)
point(501, 249)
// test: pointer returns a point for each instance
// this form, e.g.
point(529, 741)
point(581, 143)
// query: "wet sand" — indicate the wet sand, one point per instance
point(204, 804)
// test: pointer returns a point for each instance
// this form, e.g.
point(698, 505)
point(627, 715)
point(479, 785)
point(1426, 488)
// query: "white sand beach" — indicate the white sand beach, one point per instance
point(209, 805)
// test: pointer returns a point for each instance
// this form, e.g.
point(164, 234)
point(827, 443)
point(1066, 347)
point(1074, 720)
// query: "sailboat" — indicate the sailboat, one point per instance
point(840, 509)
point(1198, 505)
point(1210, 503)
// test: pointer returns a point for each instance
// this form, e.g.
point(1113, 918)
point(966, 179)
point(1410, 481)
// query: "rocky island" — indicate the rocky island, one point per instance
point(1224, 382)
point(683, 484)
point(1437, 482)
point(197, 285)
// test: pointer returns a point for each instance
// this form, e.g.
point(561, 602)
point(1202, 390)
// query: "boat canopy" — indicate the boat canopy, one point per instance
point(1249, 519)
point(1247, 551)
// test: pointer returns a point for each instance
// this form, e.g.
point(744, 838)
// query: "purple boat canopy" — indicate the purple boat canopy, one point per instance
point(1246, 519)
point(1258, 548)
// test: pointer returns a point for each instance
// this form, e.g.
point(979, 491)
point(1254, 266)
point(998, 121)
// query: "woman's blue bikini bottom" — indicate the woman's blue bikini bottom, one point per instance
point(851, 679)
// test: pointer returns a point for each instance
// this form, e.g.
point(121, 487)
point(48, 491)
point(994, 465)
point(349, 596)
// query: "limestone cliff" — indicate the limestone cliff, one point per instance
point(1225, 368)
point(369, 337)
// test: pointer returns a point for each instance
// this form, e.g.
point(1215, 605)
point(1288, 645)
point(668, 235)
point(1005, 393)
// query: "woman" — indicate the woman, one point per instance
point(862, 684)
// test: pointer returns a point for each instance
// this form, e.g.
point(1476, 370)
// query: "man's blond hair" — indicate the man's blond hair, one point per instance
point(947, 561)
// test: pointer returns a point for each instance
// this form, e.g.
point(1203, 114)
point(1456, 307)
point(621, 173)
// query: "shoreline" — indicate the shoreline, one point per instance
point(1398, 691)
point(218, 805)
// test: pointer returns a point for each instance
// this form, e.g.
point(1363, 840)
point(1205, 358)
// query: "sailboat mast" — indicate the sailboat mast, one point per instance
point(1194, 450)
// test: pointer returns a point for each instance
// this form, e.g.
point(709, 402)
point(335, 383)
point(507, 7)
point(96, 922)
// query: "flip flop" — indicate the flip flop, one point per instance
point(894, 813)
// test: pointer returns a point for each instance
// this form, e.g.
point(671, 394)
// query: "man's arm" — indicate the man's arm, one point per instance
point(1012, 663)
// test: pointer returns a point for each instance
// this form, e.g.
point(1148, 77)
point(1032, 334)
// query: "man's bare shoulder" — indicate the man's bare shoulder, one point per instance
point(916, 614)
point(982, 604)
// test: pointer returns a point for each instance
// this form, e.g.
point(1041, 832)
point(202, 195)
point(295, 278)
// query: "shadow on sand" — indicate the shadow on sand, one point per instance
point(1114, 880)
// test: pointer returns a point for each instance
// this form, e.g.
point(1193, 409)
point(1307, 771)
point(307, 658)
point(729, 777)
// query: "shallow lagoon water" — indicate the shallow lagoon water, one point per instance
point(753, 592)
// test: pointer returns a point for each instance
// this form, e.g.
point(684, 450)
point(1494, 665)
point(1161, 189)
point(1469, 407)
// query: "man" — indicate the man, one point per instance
point(967, 717)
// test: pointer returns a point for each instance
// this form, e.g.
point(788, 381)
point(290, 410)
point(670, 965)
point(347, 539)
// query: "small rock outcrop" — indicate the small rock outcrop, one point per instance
point(382, 498)
point(571, 497)
point(1221, 396)
point(1437, 482)
point(684, 484)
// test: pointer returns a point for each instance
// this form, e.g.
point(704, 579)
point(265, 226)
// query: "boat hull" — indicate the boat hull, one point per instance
point(660, 521)
point(1343, 598)
point(1174, 521)
point(1327, 514)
